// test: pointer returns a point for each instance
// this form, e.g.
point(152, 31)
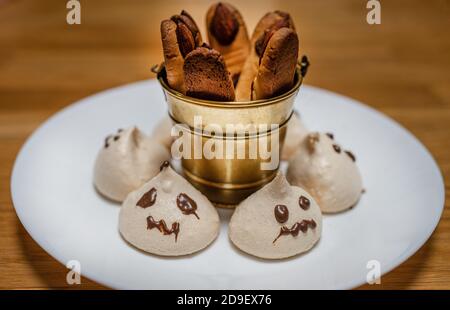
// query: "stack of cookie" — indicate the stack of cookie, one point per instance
point(232, 67)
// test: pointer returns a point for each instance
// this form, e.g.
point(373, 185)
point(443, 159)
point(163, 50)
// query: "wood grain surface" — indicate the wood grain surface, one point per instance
point(400, 67)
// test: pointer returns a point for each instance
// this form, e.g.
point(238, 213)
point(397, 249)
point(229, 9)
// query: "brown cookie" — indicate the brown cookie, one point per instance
point(179, 36)
point(206, 75)
point(278, 61)
point(269, 22)
point(227, 33)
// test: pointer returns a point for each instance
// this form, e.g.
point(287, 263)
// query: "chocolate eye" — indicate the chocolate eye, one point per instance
point(281, 213)
point(148, 199)
point(304, 202)
point(187, 205)
point(337, 148)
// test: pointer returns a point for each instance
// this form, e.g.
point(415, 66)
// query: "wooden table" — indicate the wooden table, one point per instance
point(401, 67)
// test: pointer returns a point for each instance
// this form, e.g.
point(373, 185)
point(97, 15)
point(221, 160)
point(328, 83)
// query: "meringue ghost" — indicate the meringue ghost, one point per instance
point(127, 160)
point(327, 172)
point(278, 221)
point(167, 216)
point(161, 132)
point(295, 134)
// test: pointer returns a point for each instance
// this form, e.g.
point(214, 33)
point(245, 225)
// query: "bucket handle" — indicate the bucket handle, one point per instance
point(304, 65)
point(156, 69)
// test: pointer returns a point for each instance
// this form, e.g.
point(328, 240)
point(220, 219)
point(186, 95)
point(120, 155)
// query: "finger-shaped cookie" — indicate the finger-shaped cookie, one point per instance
point(228, 35)
point(278, 61)
point(187, 19)
point(270, 22)
point(206, 75)
point(179, 35)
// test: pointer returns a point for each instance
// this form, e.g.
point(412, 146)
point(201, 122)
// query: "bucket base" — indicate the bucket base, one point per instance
point(225, 195)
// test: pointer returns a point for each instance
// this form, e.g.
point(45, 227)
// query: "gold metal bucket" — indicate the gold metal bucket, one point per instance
point(229, 181)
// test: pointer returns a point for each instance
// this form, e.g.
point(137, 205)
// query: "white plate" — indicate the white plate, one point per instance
point(55, 200)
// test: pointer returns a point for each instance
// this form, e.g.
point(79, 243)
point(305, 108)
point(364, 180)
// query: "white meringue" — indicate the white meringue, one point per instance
point(327, 172)
point(168, 216)
point(162, 131)
point(127, 160)
point(295, 134)
point(258, 221)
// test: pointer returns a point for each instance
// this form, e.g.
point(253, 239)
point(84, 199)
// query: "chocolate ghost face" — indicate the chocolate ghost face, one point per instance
point(127, 160)
point(278, 221)
point(327, 171)
point(168, 216)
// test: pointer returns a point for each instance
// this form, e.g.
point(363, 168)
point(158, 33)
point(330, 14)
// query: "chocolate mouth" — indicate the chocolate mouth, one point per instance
point(296, 228)
point(162, 227)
